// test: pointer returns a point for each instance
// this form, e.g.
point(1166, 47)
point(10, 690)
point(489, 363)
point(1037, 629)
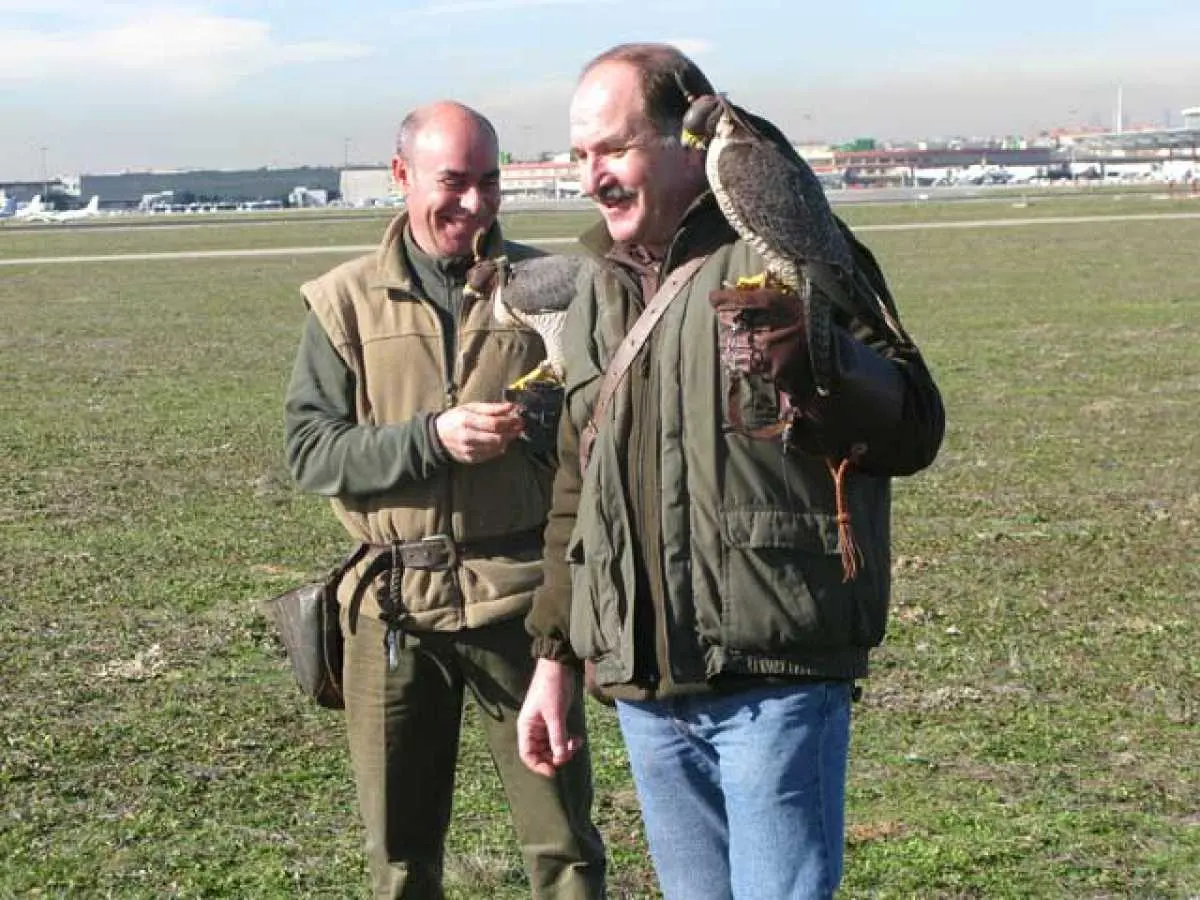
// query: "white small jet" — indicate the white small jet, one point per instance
point(31, 211)
point(37, 211)
point(73, 215)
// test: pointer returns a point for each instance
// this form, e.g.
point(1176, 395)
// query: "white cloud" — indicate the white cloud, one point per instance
point(457, 7)
point(45, 6)
point(194, 51)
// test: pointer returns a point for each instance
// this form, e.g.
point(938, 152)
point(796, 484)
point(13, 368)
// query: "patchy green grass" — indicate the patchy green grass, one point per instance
point(1030, 729)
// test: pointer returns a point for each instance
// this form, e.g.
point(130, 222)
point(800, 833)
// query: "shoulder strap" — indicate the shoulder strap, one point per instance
point(628, 351)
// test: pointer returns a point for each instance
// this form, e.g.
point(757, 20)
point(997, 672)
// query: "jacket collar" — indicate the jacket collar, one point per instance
point(393, 268)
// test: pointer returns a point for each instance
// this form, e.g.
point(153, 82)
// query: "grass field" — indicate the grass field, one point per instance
point(1031, 726)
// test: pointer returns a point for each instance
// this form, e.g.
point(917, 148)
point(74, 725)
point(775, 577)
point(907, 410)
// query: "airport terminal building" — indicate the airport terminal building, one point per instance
point(126, 190)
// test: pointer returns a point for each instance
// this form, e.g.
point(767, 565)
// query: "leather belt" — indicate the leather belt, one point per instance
point(436, 553)
point(440, 552)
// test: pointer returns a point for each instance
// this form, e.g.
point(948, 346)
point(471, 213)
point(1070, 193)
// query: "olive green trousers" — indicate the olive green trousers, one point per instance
point(404, 727)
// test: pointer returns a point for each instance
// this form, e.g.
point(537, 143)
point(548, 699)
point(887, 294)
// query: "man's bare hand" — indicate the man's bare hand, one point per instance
point(542, 740)
point(477, 432)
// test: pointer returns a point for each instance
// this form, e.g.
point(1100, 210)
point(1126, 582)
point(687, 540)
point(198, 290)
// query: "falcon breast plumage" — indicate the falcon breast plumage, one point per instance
point(535, 293)
point(774, 202)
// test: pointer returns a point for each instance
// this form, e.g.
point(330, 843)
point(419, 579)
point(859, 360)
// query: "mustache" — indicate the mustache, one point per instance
point(613, 193)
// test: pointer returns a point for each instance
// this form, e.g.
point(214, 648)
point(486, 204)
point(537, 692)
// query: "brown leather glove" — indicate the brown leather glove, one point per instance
point(761, 332)
point(482, 278)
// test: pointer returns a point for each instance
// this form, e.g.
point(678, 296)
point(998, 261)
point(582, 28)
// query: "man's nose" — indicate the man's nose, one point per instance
point(471, 200)
point(590, 172)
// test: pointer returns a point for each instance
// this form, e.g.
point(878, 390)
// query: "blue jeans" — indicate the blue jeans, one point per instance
point(743, 793)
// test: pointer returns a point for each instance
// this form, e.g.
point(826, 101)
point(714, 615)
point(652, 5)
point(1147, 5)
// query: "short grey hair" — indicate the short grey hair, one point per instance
point(410, 127)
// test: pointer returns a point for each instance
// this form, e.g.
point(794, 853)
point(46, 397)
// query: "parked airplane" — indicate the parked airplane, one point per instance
point(31, 211)
point(72, 215)
point(37, 211)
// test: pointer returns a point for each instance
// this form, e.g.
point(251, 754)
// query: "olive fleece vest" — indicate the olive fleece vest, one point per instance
point(391, 339)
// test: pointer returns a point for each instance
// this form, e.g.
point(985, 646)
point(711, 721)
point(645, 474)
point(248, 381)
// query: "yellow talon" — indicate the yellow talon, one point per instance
point(752, 282)
point(761, 280)
point(542, 373)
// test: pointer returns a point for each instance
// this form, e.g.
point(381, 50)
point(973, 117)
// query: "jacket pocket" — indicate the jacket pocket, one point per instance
point(602, 577)
point(783, 584)
point(595, 611)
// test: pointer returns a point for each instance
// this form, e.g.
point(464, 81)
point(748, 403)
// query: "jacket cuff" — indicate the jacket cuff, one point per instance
point(437, 450)
point(553, 648)
point(868, 400)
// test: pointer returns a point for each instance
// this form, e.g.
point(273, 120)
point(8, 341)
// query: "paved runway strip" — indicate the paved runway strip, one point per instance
point(350, 249)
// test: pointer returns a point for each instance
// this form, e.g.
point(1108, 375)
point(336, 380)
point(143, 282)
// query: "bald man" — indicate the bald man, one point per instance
point(393, 413)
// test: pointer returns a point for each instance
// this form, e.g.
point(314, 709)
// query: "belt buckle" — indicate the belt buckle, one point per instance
point(446, 542)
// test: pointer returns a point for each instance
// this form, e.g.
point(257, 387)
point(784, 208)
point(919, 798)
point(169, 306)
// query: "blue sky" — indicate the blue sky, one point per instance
point(98, 86)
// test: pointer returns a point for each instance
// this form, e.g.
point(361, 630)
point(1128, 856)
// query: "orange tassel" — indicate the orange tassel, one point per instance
point(851, 555)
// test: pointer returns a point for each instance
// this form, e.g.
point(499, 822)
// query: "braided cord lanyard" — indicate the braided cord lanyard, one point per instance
point(393, 639)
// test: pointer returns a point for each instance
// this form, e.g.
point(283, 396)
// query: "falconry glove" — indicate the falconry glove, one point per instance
point(532, 293)
point(761, 332)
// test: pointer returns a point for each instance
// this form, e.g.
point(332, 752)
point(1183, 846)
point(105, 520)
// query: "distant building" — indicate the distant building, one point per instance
point(305, 197)
point(1160, 144)
point(550, 179)
point(224, 185)
point(367, 187)
point(24, 191)
point(894, 167)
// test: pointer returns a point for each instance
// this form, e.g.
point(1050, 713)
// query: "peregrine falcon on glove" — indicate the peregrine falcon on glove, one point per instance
point(775, 202)
point(533, 293)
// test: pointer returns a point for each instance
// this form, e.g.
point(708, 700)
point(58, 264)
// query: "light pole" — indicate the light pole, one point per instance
point(346, 153)
point(45, 174)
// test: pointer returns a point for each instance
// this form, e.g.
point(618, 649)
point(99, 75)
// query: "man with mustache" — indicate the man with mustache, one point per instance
point(695, 567)
point(392, 412)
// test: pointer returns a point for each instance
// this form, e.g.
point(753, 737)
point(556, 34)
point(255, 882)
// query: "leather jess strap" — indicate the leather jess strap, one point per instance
point(628, 350)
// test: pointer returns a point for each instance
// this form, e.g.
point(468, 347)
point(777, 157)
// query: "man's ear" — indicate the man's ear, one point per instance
point(400, 173)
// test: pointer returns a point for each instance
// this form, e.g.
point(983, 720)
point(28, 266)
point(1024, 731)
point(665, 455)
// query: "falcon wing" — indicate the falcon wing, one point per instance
point(779, 200)
point(542, 284)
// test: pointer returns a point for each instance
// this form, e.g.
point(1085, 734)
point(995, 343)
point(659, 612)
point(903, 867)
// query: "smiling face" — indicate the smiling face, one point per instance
point(642, 181)
point(450, 176)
